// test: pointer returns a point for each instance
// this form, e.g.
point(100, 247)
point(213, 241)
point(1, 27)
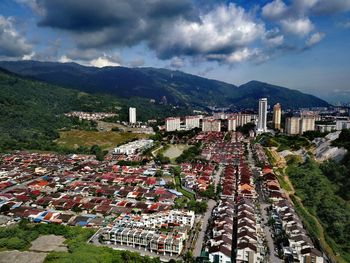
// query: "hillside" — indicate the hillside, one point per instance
point(178, 87)
point(32, 112)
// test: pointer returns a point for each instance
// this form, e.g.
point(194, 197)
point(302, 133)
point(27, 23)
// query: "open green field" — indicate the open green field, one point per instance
point(106, 140)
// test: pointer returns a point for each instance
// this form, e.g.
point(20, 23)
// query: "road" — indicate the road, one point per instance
point(268, 234)
point(273, 258)
point(199, 244)
point(217, 176)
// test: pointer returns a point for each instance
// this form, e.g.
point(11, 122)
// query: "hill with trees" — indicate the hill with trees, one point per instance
point(161, 85)
point(32, 112)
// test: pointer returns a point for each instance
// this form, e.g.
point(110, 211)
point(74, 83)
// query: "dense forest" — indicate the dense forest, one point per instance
point(320, 196)
point(32, 112)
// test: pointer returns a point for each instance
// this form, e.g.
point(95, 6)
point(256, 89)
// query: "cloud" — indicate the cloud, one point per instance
point(104, 61)
point(314, 39)
point(325, 7)
point(274, 10)
point(345, 24)
point(299, 27)
point(221, 31)
point(172, 28)
point(274, 38)
point(12, 44)
point(139, 62)
point(177, 62)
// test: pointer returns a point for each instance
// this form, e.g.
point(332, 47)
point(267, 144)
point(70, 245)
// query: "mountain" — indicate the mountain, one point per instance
point(179, 88)
point(32, 112)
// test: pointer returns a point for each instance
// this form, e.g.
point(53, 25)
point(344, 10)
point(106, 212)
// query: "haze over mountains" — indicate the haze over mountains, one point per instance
point(178, 87)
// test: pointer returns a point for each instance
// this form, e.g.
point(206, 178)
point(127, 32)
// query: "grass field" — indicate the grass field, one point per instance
point(106, 140)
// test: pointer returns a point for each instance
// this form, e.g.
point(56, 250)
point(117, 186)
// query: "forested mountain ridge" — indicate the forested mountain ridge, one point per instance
point(177, 87)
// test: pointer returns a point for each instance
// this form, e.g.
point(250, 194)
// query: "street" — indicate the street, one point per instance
point(201, 234)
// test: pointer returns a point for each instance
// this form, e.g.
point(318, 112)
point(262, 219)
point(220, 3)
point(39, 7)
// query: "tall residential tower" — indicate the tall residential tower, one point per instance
point(132, 115)
point(277, 116)
point(262, 118)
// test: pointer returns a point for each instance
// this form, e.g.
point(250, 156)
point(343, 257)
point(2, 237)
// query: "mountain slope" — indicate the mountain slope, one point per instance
point(31, 112)
point(253, 90)
point(178, 87)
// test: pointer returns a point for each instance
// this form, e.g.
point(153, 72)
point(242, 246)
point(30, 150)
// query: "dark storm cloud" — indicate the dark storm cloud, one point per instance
point(125, 22)
point(172, 28)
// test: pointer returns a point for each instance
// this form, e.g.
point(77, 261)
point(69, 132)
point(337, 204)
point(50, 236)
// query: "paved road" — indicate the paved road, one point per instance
point(199, 244)
point(263, 205)
point(217, 176)
point(272, 258)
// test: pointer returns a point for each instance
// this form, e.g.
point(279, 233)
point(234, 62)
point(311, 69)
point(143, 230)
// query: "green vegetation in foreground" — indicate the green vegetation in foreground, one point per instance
point(319, 197)
point(106, 140)
point(20, 236)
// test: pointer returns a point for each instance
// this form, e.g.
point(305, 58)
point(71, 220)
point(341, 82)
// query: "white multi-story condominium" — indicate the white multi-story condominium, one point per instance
point(172, 124)
point(307, 123)
point(232, 124)
point(132, 115)
point(191, 122)
point(342, 124)
point(133, 147)
point(211, 125)
point(277, 112)
point(243, 118)
point(292, 125)
point(262, 117)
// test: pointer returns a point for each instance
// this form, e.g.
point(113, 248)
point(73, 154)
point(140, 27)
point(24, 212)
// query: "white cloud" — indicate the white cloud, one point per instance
point(177, 62)
point(300, 26)
point(12, 44)
point(29, 56)
point(315, 38)
point(274, 10)
point(219, 31)
point(104, 61)
point(64, 59)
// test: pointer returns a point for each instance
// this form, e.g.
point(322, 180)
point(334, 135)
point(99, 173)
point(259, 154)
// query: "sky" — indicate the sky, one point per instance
point(299, 44)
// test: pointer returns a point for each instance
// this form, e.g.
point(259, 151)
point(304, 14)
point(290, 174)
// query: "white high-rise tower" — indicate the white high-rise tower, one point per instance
point(132, 115)
point(262, 118)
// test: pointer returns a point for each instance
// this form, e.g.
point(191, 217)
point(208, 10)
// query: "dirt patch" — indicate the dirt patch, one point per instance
point(16, 256)
point(175, 151)
point(48, 243)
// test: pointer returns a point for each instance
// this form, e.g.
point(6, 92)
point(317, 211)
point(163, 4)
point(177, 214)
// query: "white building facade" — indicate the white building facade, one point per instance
point(262, 117)
point(132, 115)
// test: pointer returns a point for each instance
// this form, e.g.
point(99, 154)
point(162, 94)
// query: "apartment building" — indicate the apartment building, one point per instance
point(172, 124)
point(277, 113)
point(211, 125)
point(191, 122)
point(231, 124)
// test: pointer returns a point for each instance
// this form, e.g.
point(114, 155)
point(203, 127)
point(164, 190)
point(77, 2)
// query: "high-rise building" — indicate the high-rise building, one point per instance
point(232, 124)
point(277, 116)
point(211, 125)
point(299, 125)
point(307, 123)
point(262, 118)
point(172, 124)
point(292, 125)
point(191, 122)
point(132, 115)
